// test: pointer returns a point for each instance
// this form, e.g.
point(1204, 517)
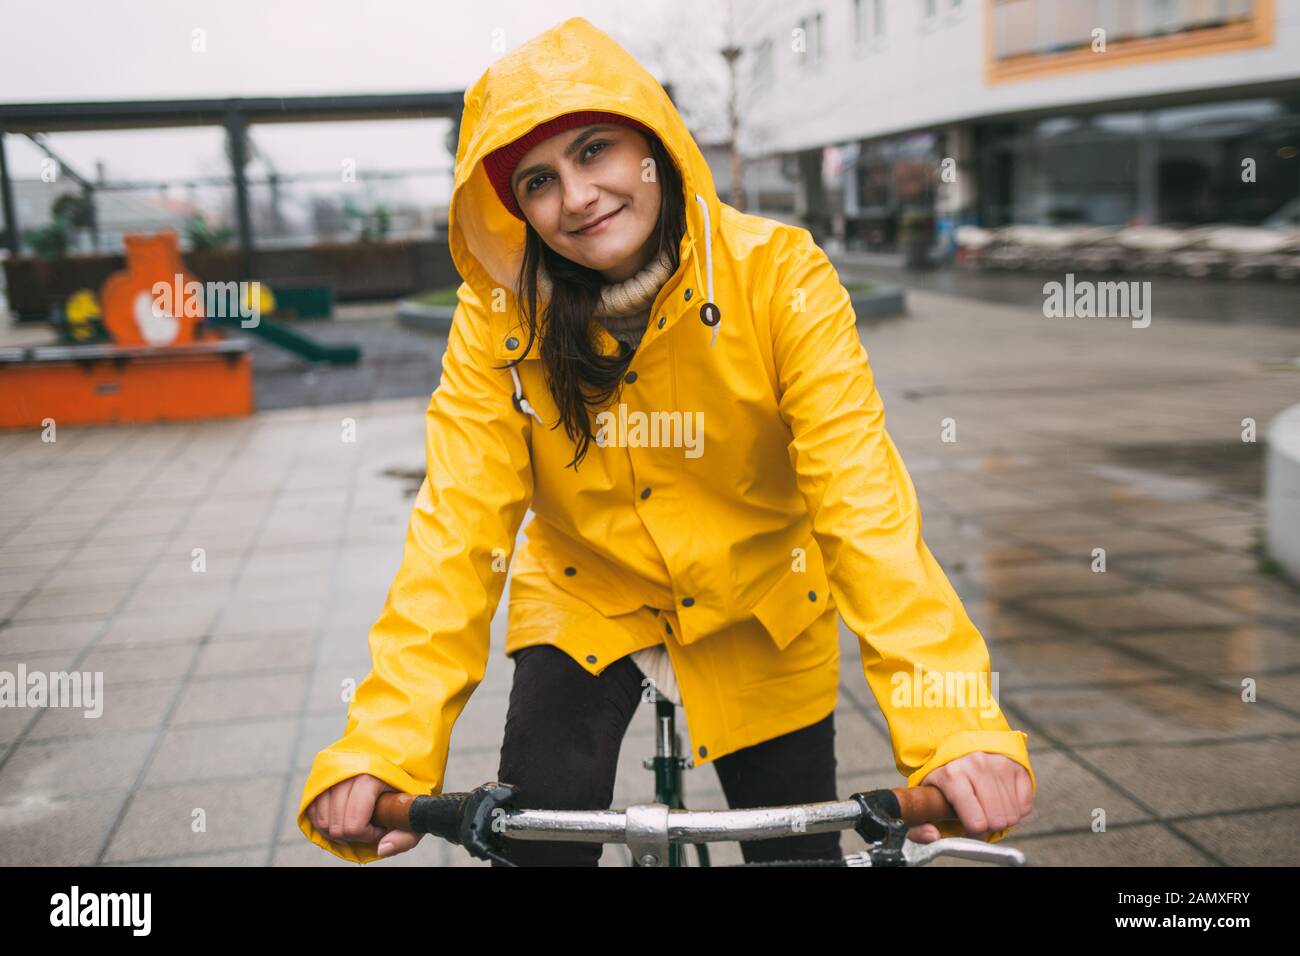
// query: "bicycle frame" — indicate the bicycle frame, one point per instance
point(668, 764)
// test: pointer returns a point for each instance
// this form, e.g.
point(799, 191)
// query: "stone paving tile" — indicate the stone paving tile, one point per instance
point(1261, 599)
point(1206, 778)
point(127, 706)
point(1226, 652)
point(1263, 837)
point(1066, 662)
point(44, 770)
point(230, 749)
point(254, 856)
point(1119, 540)
point(62, 602)
point(1148, 844)
point(1041, 579)
point(158, 626)
point(1239, 535)
point(270, 652)
point(161, 821)
point(246, 619)
point(150, 663)
point(1188, 570)
point(250, 696)
point(1146, 711)
point(1152, 608)
point(16, 582)
point(63, 831)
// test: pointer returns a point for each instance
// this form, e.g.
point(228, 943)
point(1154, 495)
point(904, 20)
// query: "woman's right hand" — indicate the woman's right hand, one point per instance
point(343, 812)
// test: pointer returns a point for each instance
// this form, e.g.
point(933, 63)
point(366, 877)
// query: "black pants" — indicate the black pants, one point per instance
point(564, 729)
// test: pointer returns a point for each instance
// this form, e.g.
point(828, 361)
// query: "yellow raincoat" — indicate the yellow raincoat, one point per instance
point(738, 554)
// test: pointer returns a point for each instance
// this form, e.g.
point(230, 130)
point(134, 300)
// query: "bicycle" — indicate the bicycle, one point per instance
point(481, 820)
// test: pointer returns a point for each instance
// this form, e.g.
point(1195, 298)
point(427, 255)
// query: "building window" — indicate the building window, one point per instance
point(868, 23)
point(1035, 36)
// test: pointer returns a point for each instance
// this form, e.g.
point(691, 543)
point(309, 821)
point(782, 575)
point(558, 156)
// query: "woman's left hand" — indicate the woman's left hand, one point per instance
point(989, 792)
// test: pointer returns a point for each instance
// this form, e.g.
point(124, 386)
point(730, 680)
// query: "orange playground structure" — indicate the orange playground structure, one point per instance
point(163, 363)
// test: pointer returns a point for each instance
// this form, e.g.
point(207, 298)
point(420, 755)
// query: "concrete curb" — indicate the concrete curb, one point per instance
point(1282, 491)
point(883, 302)
point(425, 318)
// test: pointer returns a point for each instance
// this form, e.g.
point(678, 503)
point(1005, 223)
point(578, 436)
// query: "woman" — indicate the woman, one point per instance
point(721, 491)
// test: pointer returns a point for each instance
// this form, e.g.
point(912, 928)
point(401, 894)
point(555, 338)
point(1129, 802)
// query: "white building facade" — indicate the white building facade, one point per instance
point(1000, 111)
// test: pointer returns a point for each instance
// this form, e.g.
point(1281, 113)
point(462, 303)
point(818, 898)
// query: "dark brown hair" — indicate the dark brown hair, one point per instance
point(580, 378)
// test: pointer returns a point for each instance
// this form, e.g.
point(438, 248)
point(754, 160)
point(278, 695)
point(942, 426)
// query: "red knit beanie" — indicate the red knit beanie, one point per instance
point(500, 163)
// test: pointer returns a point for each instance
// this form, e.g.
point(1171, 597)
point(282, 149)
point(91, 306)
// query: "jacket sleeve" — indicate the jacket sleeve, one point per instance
point(890, 590)
point(429, 646)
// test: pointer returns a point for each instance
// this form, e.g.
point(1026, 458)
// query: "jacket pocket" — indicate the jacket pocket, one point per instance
point(797, 598)
point(582, 573)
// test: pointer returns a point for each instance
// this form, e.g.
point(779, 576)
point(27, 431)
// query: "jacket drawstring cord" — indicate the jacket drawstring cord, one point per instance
point(708, 263)
point(521, 403)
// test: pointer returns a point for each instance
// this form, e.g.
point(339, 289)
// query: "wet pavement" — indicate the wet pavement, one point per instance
point(1246, 302)
point(1069, 436)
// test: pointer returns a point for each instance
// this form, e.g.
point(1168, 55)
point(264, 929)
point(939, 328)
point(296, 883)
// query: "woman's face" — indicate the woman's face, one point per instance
point(586, 174)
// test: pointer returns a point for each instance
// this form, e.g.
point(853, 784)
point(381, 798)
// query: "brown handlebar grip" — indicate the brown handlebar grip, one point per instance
point(393, 811)
point(923, 804)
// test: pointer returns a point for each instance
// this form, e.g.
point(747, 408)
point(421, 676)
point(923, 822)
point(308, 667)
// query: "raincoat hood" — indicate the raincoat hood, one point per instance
point(571, 67)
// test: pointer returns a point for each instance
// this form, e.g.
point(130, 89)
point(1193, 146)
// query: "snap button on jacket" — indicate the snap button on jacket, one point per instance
point(796, 511)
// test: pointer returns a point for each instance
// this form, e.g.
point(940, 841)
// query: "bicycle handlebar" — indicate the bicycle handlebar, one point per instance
point(922, 805)
point(443, 814)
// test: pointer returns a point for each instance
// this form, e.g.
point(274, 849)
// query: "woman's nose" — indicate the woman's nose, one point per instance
point(579, 196)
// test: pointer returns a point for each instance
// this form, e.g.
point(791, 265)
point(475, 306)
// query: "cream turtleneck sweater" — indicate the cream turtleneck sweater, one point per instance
point(624, 307)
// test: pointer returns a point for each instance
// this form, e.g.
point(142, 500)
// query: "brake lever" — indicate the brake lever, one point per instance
point(920, 854)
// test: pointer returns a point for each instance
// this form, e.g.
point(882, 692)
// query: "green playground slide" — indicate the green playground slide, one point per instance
point(293, 341)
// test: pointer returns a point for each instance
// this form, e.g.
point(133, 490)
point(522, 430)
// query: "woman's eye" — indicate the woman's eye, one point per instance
point(532, 183)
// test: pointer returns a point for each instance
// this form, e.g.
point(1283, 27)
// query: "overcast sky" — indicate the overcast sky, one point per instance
point(63, 50)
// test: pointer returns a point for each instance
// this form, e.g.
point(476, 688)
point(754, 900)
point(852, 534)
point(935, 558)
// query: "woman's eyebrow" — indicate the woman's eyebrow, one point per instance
point(568, 151)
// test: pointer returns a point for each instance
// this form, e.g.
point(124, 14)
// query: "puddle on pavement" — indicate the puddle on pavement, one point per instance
point(1182, 471)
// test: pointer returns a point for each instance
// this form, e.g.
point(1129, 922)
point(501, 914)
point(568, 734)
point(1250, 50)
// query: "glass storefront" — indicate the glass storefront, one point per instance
point(892, 177)
point(1179, 165)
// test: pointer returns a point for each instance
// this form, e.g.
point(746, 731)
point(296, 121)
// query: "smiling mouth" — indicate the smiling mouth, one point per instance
point(591, 225)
